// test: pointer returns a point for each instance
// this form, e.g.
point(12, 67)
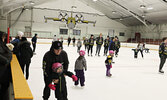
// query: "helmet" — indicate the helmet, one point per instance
point(111, 52)
point(55, 66)
point(81, 52)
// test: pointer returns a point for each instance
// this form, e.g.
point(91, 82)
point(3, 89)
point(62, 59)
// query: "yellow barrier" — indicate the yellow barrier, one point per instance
point(20, 86)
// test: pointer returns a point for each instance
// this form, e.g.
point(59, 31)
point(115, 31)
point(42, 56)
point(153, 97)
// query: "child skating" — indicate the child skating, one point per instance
point(108, 63)
point(58, 78)
point(80, 65)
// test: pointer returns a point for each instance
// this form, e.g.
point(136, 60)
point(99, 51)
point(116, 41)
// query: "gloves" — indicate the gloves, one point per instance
point(110, 66)
point(51, 86)
point(10, 46)
point(74, 78)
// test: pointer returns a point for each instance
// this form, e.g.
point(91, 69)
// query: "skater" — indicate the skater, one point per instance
point(5, 68)
point(79, 45)
point(135, 52)
point(61, 40)
point(69, 40)
point(162, 54)
point(56, 54)
point(26, 54)
point(91, 43)
point(86, 43)
point(54, 38)
point(140, 47)
point(80, 65)
point(106, 45)
point(99, 42)
point(108, 63)
point(117, 46)
point(73, 40)
point(112, 44)
point(16, 42)
point(34, 41)
point(59, 80)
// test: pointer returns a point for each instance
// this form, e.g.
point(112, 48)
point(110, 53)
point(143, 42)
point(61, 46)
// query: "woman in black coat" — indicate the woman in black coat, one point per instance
point(5, 71)
point(26, 54)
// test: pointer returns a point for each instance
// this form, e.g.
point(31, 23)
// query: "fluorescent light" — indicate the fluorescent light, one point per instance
point(142, 6)
point(113, 12)
point(143, 16)
point(150, 8)
point(31, 2)
point(94, 0)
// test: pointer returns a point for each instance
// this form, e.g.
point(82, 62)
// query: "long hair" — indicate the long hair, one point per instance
point(3, 43)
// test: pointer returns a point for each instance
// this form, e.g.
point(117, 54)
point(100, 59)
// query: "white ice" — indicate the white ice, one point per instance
point(133, 79)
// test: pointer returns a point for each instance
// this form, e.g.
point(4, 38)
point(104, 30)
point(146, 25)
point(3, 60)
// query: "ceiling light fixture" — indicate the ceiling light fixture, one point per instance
point(142, 6)
point(143, 16)
point(113, 12)
point(31, 2)
point(94, 0)
point(165, 1)
point(150, 8)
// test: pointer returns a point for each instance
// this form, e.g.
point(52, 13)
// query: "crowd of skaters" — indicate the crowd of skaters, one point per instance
point(55, 61)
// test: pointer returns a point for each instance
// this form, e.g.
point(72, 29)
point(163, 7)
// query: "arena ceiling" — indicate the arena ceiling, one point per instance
point(127, 12)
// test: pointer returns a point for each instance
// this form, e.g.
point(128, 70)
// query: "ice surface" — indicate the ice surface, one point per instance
point(133, 79)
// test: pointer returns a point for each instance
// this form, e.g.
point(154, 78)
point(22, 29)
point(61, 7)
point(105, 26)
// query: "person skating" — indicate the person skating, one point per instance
point(108, 63)
point(80, 65)
point(140, 47)
point(59, 80)
point(136, 50)
point(69, 40)
point(86, 43)
point(162, 54)
point(26, 54)
point(79, 45)
point(73, 41)
point(99, 42)
point(112, 45)
point(117, 46)
point(56, 54)
point(91, 43)
point(34, 41)
point(106, 45)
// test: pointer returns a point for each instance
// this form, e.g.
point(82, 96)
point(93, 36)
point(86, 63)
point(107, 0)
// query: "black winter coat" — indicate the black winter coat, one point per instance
point(5, 59)
point(25, 52)
point(61, 85)
point(49, 58)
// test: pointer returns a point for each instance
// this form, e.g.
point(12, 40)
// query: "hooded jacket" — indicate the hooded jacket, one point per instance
point(49, 58)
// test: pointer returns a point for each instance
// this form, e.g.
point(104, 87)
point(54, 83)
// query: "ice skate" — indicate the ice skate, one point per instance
point(161, 71)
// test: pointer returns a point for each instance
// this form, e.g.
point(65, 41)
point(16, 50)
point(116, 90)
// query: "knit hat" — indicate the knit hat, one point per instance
point(20, 33)
point(57, 45)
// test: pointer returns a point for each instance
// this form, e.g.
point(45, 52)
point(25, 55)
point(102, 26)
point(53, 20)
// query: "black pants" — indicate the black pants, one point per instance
point(61, 95)
point(116, 51)
point(46, 91)
point(98, 48)
point(78, 49)
point(34, 46)
point(4, 92)
point(68, 43)
point(105, 50)
point(86, 47)
point(27, 69)
point(90, 48)
point(162, 61)
point(141, 51)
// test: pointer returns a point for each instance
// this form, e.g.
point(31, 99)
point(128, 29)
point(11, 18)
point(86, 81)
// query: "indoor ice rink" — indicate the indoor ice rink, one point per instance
point(132, 21)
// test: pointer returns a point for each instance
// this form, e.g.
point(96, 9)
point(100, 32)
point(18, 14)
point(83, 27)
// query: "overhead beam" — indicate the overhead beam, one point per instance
point(132, 13)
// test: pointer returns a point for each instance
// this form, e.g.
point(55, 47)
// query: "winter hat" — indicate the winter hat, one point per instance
point(57, 45)
point(81, 52)
point(23, 39)
point(20, 33)
point(111, 52)
point(55, 66)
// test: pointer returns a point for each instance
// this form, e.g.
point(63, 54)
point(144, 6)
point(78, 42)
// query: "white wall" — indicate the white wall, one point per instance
point(51, 28)
point(153, 32)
